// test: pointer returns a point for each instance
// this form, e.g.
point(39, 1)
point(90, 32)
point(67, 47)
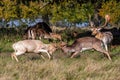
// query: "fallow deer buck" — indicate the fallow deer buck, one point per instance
point(83, 44)
point(35, 46)
point(106, 37)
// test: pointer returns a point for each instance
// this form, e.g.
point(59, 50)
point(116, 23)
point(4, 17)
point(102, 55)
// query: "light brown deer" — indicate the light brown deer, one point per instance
point(106, 37)
point(36, 46)
point(56, 36)
point(53, 36)
point(83, 44)
point(55, 29)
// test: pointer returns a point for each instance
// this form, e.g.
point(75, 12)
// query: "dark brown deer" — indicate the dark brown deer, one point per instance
point(83, 44)
point(41, 33)
point(37, 30)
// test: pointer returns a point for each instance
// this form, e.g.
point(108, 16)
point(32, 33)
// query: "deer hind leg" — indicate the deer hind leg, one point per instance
point(100, 49)
point(13, 56)
point(17, 53)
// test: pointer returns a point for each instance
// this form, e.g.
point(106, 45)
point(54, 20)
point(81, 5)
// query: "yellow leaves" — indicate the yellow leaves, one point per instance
point(8, 9)
point(11, 9)
point(37, 8)
point(30, 11)
point(1, 9)
point(113, 9)
point(24, 10)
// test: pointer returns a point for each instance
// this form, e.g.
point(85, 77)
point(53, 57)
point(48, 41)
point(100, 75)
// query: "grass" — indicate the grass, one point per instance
point(90, 65)
point(87, 67)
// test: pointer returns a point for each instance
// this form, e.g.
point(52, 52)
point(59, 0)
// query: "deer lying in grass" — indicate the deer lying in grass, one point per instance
point(53, 36)
point(83, 44)
point(55, 29)
point(36, 46)
point(106, 37)
point(56, 36)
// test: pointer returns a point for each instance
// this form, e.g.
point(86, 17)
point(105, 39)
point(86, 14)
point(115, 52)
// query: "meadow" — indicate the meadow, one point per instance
point(89, 65)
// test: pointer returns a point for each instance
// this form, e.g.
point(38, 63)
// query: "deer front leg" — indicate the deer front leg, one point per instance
point(43, 50)
point(106, 47)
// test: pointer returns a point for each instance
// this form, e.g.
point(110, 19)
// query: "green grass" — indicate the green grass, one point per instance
point(89, 65)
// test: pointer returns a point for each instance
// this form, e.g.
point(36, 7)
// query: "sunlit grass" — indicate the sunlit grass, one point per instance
point(83, 68)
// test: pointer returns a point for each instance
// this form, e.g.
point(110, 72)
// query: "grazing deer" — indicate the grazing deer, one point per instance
point(83, 44)
point(36, 46)
point(106, 37)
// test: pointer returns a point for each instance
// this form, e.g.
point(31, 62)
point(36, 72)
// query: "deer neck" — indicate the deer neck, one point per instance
point(99, 36)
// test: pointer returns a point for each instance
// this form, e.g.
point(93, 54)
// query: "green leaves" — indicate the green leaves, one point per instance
point(72, 11)
point(30, 11)
point(87, 11)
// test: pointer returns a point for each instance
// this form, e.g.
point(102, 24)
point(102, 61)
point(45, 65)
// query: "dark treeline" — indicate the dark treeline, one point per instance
point(51, 11)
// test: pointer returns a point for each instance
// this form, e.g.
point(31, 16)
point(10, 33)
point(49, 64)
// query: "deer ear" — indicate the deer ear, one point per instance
point(99, 29)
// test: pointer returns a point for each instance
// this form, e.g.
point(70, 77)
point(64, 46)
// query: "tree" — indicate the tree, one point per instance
point(111, 8)
point(8, 10)
point(87, 11)
point(72, 11)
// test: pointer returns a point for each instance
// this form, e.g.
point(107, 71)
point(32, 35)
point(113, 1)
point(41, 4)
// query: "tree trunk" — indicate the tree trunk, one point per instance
point(91, 23)
point(45, 18)
point(96, 19)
